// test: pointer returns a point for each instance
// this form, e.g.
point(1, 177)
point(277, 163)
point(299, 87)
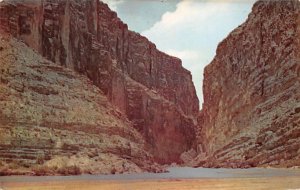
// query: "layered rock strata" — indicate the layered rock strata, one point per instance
point(251, 111)
point(153, 89)
point(53, 120)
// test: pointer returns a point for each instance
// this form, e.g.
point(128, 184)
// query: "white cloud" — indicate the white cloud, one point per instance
point(194, 29)
point(187, 54)
point(113, 4)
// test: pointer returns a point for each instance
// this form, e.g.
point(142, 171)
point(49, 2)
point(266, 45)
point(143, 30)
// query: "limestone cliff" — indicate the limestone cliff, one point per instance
point(151, 88)
point(251, 111)
point(53, 120)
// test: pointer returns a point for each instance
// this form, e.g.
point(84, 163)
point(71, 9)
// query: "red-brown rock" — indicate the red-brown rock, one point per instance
point(151, 88)
point(54, 121)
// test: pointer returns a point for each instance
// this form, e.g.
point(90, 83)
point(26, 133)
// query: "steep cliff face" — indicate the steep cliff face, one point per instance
point(53, 120)
point(251, 111)
point(151, 88)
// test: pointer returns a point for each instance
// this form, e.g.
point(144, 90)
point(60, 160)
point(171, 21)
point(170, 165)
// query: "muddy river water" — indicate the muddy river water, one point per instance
point(181, 178)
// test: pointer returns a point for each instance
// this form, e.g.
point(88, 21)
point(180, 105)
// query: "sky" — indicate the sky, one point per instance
point(188, 29)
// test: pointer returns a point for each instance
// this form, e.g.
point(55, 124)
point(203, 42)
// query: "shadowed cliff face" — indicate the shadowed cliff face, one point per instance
point(151, 88)
point(251, 111)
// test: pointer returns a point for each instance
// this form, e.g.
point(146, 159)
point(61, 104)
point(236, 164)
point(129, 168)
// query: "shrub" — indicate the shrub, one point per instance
point(4, 172)
point(40, 160)
point(113, 171)
point(65, 170)
point(69, 170)
point(41, 170)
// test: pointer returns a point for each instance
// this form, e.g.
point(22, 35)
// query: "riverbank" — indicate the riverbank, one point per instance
point(177, 178)
point(274, 183)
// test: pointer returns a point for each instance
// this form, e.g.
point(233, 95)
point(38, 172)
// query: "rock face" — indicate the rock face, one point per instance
point(104, 99)
point(251, 111)
point(53, 119)
point(151, 88)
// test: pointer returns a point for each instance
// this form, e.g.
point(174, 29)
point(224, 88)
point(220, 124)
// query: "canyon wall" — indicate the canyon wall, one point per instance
point(251, 111)
point(153, 89)
point(55, 121)
point(112, 92)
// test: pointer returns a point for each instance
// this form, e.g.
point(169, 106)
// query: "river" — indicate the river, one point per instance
point(177, 178)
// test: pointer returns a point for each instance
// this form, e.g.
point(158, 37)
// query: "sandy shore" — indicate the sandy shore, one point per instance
point(272, 183)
